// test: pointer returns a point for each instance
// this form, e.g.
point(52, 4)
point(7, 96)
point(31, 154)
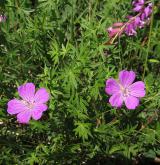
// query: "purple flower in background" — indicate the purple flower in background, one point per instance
point(32, 103)
point(130, 29)
point(145, 15)
point(2, 18)
point(138, 23)
point(138, 5)
point(124, 90)
point(143, 11)
point(142, 18)
point(132, 25)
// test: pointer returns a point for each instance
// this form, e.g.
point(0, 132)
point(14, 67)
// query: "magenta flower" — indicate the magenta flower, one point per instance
point(32, 103)
point(124, 90)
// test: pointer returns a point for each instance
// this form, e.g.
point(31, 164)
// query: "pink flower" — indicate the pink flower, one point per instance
point(32, 103)
point(124, 90)
point(115, 30)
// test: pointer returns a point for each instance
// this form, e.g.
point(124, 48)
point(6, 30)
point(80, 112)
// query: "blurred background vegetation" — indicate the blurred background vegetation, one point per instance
point(59, 44)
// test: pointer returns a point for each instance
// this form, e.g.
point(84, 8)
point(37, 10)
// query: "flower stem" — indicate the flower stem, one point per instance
point(148, 45)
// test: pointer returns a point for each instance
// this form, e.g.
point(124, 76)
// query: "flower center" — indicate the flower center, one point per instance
point(30, 105)
point(125, 92)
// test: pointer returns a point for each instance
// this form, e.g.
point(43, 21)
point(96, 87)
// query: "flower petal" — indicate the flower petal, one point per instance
point(116, 100)
point(27, 91)
point(24, 117)
point(118, 24)
point(112, 86)
point(137, 89)
point(16, 106)
point(40, 107)
point(126, 77)
point(148, 10)
point(137, 8)
point(141, 2)
point(41, 96)
point(114, 31)
point(38, 111)
point(131, 102)
point(36, 115)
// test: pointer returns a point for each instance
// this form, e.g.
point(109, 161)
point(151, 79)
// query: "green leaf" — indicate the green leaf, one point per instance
point(83, 130)
point(150, 154)
point(153, 61)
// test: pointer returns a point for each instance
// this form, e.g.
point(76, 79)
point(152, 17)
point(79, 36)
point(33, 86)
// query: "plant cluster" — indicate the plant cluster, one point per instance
point(59, 47)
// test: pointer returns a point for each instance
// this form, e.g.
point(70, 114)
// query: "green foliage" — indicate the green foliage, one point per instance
point(83, 130)
point(59, 45)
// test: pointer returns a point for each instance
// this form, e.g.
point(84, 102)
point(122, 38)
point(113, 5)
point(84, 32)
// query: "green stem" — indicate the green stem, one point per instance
point(120, 54)
point(148, 45)
point(89, 9)
point(72, 22)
